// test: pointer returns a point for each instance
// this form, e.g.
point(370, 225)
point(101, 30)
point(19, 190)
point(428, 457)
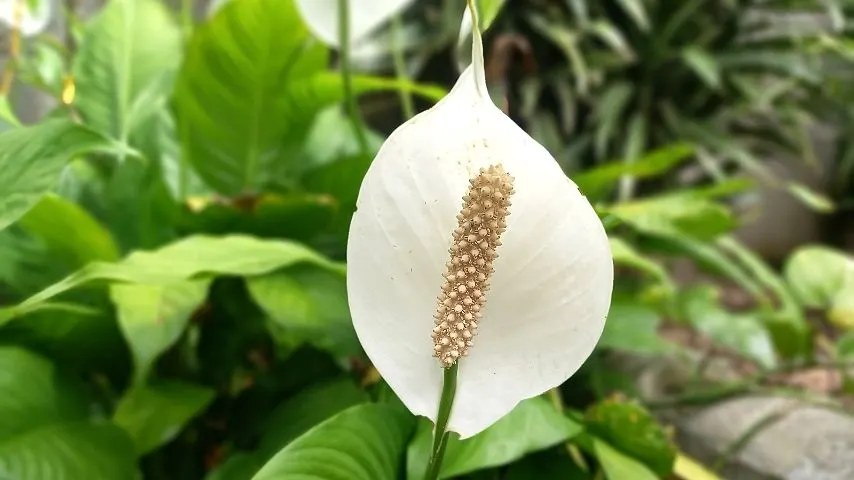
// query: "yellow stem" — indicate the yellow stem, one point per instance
point(14, 48)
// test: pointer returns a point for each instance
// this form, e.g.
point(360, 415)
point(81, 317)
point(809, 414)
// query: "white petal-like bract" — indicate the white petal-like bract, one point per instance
point(551, 288)
point(32, 21)
point(321, 17)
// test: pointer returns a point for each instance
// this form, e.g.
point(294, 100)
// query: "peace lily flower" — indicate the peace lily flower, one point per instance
point(321, 17)
point(30, 21)
point(470, 247)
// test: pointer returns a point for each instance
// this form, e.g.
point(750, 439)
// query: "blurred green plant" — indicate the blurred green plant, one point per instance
point(172, 238)
point(727, 76)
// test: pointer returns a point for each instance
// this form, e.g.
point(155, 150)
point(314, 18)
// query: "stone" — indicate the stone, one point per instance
point(792, 440)
point(765, 437)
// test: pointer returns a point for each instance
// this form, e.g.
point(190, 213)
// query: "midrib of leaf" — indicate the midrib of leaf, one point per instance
point(252, 157)
point(123, 78)
point(257, 105)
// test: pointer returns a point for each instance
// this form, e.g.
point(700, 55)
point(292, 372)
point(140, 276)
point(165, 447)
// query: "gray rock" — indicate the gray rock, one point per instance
point(797, 441)
point(780, 438)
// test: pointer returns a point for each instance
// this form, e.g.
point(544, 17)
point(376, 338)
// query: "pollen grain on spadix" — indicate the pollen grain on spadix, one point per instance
point(480, 223)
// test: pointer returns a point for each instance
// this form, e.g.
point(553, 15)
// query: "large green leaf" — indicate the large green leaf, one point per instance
point(236, 96)
point(625, 255)
point(816, 274)
point(618, 466)
point(744, 333)
point(69, 451)
point(307, 304)
point(31, 159)
point(70, 232)
point(365, 442)
point(127, 56)
point(307, 409)
point(153, 317)
point(33, 394)
point(298, 216)
point(633, 327)
point(192, 257)
point(533, 425)
point(633, 430)
point(845, 346)
point(252, 83)
point(594, 181)
point(676, 214)
point(288, 421)
point(44, 434)
point(154, 414)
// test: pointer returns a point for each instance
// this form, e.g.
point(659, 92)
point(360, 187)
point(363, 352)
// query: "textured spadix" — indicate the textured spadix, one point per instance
point(321, 17)
point(550, 287)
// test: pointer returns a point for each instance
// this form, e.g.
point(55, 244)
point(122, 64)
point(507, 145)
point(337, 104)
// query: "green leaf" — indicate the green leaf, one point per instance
point(41, 396)
point(791, 64)
point(633, 327)
point(609, 113)
point(845, 346)
point(305, 410)
point(69, 231)
point(546, 465)
point(611, 36)
point(31, 159)
point(816, 273)
point(68, 451)
point(365, 442)
point(841, 313)
point(307, 304)
point(789, 310)
point(238, 466)
point(629, 427)
point(704, 65)
point(44, 434)
point(625, 255)
point(744, 333)
point(297, 216)
point(676, 215)
point(487, 11)
point(122, 71)
point(637, 11)
point(245, 86)
point(593, 181)
point(253, 82)
point(533, 425)
point(817, 201)
point(196, 257)
point(7, 114)
point(288, 421)
point(154, 414)
point(153, 317)
point(618, 466)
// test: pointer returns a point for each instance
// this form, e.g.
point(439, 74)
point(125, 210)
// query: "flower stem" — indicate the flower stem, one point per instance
point(347, 75)
point(440, 436)
point(398, 55)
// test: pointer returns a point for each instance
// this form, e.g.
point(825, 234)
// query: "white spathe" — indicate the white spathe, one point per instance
point(321, 17)
point(552, 285)
point(32, 21)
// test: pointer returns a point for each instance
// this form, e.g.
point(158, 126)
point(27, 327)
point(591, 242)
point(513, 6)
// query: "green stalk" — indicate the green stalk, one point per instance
point(347, 75)
point(440, 436)
point(400, 72)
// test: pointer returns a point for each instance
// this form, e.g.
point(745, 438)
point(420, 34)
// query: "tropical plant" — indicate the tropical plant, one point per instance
point(728, 76)
point(173, 297)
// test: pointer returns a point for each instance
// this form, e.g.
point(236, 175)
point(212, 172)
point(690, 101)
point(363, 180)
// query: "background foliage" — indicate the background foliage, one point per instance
point(174, 229)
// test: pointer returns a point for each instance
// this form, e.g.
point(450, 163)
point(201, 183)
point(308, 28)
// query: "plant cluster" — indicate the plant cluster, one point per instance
point(173, 237)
